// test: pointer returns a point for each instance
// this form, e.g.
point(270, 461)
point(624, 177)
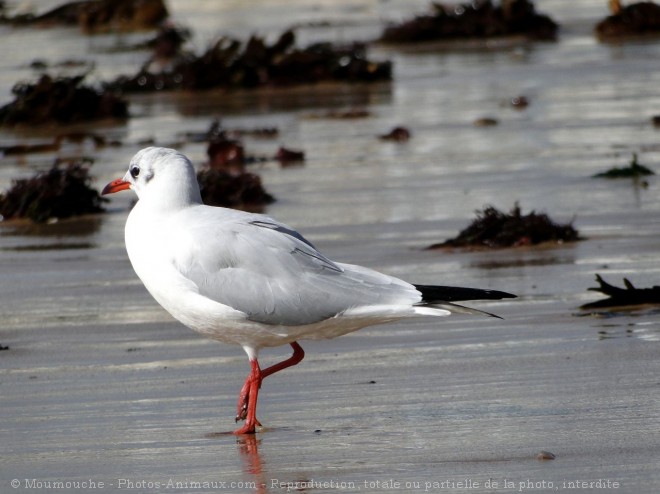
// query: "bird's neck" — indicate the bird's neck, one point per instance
point(171, 200)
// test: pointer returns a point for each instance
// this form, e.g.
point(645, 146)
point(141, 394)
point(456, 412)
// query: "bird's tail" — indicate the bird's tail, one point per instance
point(444, 297)
point(438, 293)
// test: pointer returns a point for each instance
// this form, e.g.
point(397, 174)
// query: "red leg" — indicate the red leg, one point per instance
point(298, 355)
point(253, 383)
point(247, 398)
point(241, 408)
point(244, 397)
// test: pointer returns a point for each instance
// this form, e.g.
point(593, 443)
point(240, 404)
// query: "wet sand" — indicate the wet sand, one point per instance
point(98, 384)
point(100, 387)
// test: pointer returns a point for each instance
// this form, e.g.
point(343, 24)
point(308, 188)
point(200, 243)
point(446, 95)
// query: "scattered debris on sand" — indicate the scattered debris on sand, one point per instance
point(243, 191)
point(618, 297)
point(288, 156)
point(633, 170)
point(227, 155)
point(519, 102)
point(61, 192)
point(485, 122)
point(96, 16)
point(226, 151)
point(397, 134)
point(495, 229)
point(216, 131)
point(636, 19)
point(344, 114)
point(479, 19)
point(225, 182)
point(63, 100)
point(230, 64)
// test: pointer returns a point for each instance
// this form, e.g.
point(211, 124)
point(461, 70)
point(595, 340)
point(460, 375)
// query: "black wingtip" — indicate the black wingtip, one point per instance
point(437, 293)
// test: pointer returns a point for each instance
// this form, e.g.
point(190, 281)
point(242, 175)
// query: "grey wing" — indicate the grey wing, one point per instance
point(275, 276)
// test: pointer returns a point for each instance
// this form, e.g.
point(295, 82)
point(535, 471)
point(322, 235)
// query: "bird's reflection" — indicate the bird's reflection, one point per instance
point(248, 450)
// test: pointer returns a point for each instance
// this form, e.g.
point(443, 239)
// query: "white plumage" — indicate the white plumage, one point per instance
point(247, 279)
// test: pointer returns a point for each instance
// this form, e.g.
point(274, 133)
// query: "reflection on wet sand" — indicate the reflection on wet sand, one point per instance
point(251, 460)
point(248, 450)
point(69, 234)
point(80, 226)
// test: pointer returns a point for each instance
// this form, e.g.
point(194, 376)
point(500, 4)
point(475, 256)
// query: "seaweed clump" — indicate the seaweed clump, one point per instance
point(95, 16)
point(618, 297)
point(634, 170)
point(636, 19)
point(230, 64)
point(495, 229)
point(243, 191)
point(61, 192)
point(226, 152)
point(479, 19)
point(63, 100)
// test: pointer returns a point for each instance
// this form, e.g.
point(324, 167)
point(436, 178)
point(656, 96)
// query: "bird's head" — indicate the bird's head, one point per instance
point(159, 176)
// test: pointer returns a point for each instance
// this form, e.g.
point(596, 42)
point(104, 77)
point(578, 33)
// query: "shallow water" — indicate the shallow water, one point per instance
point(98, 382)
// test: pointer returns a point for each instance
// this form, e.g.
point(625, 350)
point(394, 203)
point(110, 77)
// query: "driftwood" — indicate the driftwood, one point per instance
point(634, 170)
point(623, 296)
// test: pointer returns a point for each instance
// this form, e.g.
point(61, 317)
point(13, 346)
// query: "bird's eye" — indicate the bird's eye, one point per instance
point(135, 171)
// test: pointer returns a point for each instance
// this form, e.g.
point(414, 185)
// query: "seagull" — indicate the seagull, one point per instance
point(246, 279)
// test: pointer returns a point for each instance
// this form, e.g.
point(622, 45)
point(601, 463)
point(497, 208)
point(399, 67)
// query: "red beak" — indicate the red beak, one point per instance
point(115, 186)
